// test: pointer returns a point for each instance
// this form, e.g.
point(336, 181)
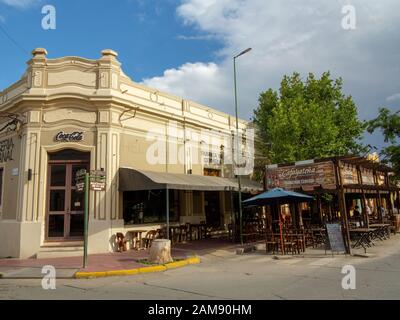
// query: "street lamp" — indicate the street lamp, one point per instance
point(237, 143)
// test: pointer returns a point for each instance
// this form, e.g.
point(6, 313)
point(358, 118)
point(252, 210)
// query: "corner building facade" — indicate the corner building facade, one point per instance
point(72, 113)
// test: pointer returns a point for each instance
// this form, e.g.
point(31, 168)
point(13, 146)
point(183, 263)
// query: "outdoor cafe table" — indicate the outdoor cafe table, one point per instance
point(381, 225)
point(361, 230)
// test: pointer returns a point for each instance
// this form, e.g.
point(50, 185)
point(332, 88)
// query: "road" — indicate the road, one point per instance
point(224, 275)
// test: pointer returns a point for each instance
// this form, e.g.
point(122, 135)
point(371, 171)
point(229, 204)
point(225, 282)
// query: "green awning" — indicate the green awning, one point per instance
point(135, 180)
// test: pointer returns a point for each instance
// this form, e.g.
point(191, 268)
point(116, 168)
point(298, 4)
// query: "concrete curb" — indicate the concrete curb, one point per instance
point(151, 269)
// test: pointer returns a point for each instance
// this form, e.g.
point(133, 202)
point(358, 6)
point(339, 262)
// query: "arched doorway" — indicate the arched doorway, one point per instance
point(65, 206)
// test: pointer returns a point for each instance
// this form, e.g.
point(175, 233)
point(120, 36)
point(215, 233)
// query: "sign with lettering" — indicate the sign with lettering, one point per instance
point(367, 177)
point(80, 187)
point(308, 175)
point(211, 158)
point(349, 174)
point(69, 137)
point(335, 237)
point(97, 180)
point(6, 150)
point(381, 178)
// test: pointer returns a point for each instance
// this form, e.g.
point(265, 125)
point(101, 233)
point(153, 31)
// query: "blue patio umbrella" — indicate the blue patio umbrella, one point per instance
point(277, 197)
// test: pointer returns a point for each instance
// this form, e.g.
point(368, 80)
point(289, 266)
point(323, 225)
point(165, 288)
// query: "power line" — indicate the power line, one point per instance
point(9, 37)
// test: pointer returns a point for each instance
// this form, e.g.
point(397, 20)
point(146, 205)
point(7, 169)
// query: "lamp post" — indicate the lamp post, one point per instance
point(237, 143)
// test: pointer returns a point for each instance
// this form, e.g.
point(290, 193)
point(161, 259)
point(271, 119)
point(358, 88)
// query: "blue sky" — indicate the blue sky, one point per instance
point(185, 47)
point(146, 34)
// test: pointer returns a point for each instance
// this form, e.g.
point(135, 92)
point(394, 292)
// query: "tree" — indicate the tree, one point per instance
point(306, 120)
point(389, 123)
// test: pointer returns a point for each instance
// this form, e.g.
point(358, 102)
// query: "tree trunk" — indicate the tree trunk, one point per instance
point(160, 251)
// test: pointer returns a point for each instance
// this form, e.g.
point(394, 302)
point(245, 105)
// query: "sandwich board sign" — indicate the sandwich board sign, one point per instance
point(335, 241)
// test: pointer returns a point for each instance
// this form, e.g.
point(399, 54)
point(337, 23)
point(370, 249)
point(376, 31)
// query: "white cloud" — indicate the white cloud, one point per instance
point(2, 19)
point(393, 97)
point(20, 4)
point(286, 36)
point(197, 37)
point(199, 79)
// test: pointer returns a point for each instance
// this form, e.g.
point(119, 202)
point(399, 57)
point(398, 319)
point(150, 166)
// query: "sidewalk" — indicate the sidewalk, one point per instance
point(128, 260)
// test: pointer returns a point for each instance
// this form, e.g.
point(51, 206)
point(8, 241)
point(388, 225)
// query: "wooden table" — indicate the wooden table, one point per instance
point(136, 237)
point(379, 225)
point(361, 230)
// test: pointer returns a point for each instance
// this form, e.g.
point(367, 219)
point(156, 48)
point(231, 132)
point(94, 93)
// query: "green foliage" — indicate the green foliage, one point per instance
point(389, 123)
point(306, 120)
point(327, 197)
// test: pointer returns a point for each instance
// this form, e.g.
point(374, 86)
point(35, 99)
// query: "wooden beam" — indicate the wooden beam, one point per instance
point(342, 207)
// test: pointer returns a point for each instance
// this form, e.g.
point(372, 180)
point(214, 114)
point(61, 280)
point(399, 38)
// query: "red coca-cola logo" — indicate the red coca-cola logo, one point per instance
point(69, 137)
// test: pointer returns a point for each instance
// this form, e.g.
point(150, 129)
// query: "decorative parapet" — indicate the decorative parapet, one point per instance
point(102, 80)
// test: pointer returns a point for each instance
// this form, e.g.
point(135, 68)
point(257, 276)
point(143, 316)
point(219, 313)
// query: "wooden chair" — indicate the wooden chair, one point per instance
point(189, 233)
point(121, 242)
point(271, 243)
point(203, 230)
point(290, 244)
point(148, 239)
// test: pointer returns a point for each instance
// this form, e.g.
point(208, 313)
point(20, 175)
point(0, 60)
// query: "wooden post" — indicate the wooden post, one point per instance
point(342, 205)
point(379, 200)
point(301, 226)
point(398, 201)
point(364, 200)
point(319, 208)
point(293, 211)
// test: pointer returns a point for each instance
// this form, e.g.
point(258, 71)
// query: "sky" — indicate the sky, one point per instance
point(186, 47)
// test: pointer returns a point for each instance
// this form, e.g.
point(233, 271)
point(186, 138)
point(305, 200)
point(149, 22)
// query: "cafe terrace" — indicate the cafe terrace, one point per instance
point(341, 186)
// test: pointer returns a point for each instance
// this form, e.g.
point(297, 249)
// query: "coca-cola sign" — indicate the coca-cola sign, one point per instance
point(69, 137)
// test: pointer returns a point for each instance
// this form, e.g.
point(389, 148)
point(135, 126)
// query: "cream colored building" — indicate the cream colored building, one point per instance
point(71, 113)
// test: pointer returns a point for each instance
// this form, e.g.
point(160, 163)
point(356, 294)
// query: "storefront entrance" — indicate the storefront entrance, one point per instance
point(212, 208)
point(65, 206)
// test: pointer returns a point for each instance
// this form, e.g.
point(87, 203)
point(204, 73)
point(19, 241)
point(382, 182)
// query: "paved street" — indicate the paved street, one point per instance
point(225, 275)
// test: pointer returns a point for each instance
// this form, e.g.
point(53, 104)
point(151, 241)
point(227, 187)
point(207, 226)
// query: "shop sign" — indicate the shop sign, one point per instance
point(381, 178)
point(367, 177)
point(6, 150)
point(307, 176)
point(80, 187)
point(69, 137)
point(349, 174)
point(97, 180)
point(211, 158)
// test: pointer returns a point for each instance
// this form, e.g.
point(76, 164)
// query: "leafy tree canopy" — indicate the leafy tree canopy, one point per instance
point(389, 124)
point(308, 119)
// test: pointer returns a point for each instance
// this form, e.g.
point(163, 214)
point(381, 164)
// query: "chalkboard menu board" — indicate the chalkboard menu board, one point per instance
point(335, 237)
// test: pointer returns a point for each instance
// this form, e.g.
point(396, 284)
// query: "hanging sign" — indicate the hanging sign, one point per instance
point(80, 180)
point(97, 180)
